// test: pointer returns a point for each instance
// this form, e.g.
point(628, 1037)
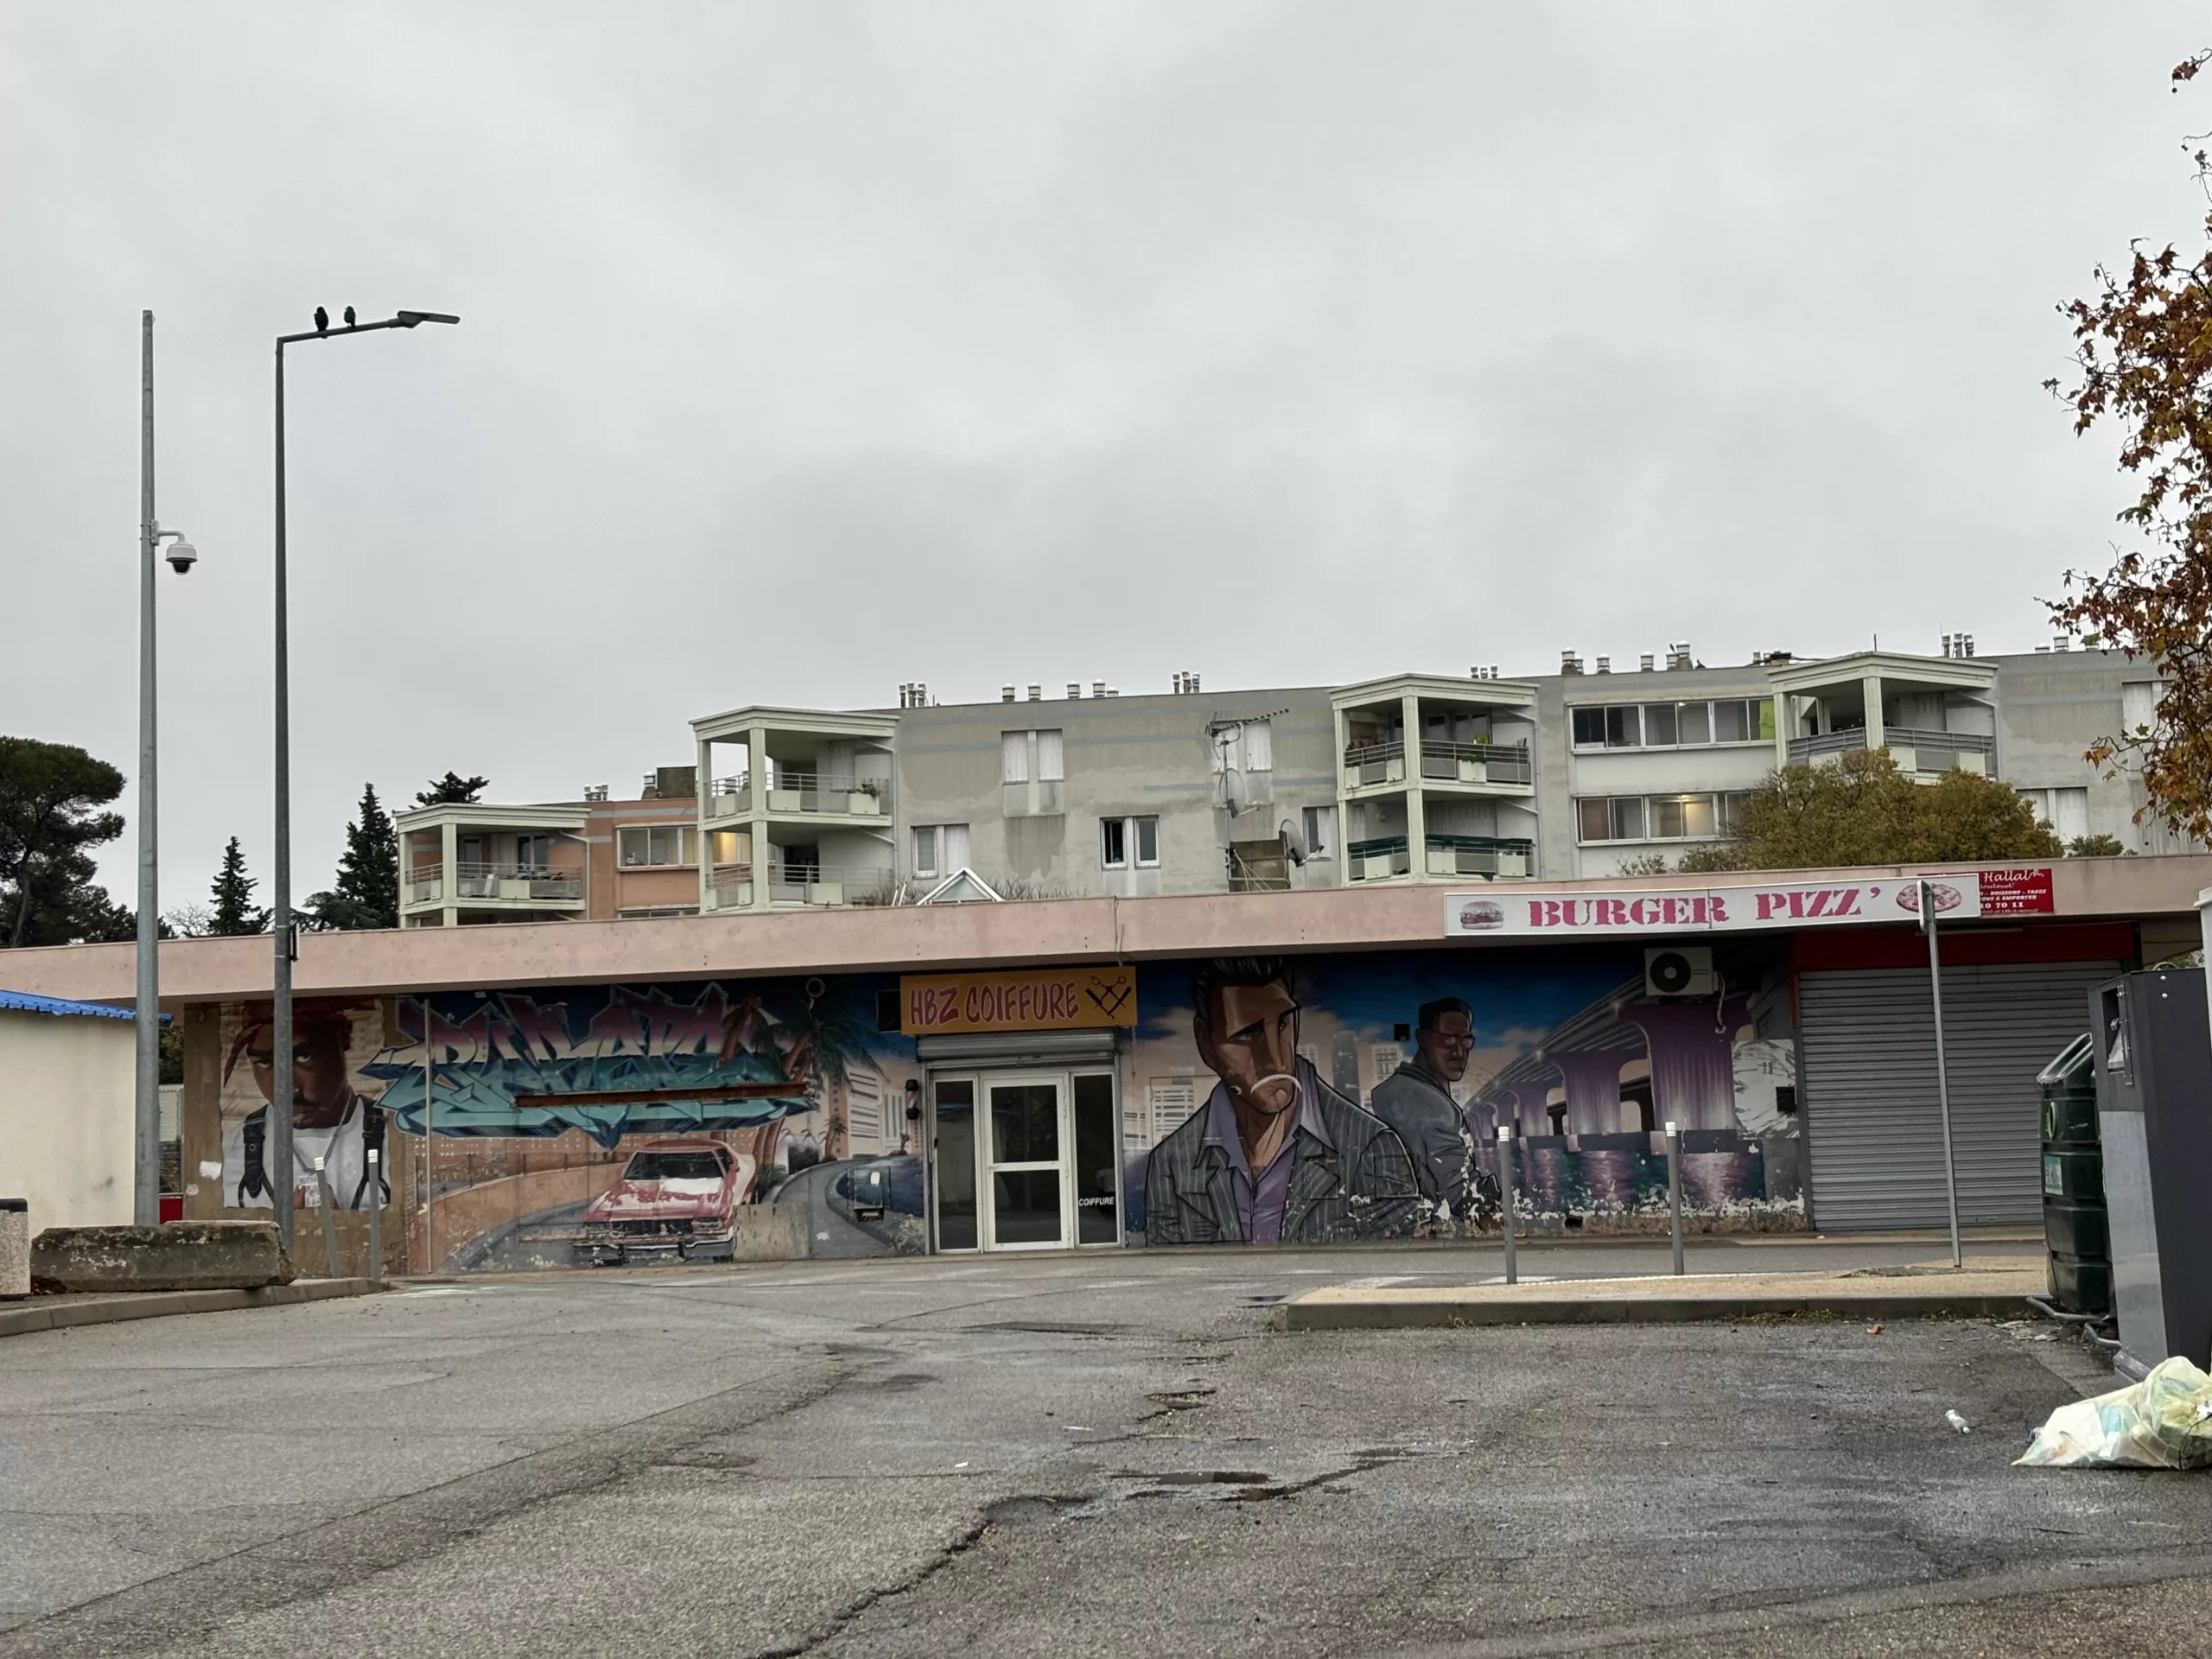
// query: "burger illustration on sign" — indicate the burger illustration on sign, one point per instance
point(1945, 897)
point(1482, 916)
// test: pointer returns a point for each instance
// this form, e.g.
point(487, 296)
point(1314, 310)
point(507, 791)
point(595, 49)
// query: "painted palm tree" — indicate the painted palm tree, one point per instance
point(810, 1046)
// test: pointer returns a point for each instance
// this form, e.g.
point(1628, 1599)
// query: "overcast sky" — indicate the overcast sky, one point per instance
point(809, 348)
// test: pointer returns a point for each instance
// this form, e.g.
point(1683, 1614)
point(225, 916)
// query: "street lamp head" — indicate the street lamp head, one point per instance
point(409, 319)
point(181, 556)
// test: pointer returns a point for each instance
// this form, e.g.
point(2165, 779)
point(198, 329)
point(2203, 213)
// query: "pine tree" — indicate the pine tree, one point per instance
point(452, 790)
point(366, 893)
point(232, 898)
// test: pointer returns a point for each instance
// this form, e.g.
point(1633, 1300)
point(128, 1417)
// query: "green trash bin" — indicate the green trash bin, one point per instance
point(2075, 1235)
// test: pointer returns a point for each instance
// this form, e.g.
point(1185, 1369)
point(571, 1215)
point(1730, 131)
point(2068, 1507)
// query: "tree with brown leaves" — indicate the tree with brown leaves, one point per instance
point(2143, 346)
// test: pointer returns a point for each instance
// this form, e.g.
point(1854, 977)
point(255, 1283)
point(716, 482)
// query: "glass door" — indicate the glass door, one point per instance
point(1026, 1168)
point(952, 1163)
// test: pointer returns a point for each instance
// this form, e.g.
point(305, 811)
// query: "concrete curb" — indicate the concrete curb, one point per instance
point(1347, 1315)
point(62, 1314)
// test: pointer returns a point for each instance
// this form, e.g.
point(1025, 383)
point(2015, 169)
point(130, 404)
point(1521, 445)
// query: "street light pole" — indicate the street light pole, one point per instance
point(1942, 1073)
point(282, 1176)
point(146, 1190)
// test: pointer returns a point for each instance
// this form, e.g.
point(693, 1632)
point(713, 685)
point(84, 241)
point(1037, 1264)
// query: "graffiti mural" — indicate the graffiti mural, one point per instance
point(622, 1124)
point(1324, 1099)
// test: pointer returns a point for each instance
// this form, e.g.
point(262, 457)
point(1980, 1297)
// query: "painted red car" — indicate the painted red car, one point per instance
point(673, 1197)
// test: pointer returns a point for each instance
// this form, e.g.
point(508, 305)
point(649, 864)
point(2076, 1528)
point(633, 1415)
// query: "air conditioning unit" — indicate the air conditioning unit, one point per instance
point(1679, 970)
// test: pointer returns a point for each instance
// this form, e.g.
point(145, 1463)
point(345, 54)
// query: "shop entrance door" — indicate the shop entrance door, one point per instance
point(1025, 1133)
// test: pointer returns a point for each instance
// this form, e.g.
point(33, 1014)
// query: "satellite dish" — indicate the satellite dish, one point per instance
point(1232, 792)
point(1293, 844)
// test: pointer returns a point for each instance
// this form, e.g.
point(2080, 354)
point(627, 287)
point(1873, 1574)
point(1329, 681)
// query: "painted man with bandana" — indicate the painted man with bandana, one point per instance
point(1275, 1155)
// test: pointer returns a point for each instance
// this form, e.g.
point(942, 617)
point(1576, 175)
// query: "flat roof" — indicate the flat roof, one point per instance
point(1027, 933)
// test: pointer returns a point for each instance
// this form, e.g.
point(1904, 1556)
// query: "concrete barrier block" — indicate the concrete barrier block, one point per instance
point(15, 1249)
point(769, 1232)
point(183, 1256)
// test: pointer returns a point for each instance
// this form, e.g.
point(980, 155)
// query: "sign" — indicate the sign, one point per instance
point(2024, 890)
point(1058, 999)
point(1517, 912)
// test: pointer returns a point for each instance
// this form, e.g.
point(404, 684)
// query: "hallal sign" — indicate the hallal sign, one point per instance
point(1061, 999)
point(1961, 897)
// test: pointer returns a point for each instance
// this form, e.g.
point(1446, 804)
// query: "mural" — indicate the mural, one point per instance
point(1302, 1100)
point(1320, 1099)
point(609, 1125)
point(335, 1115)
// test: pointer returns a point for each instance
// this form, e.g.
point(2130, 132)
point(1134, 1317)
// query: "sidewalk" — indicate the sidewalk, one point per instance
point(1992, 1285)
point(62, 1313)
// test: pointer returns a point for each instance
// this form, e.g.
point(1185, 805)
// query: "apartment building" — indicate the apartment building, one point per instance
point(1408, 779)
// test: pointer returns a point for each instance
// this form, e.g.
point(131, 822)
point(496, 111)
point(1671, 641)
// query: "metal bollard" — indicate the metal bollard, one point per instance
point(376, 1213)
point(1505, 1196)
point(329, 1223)
point(1675, 1192)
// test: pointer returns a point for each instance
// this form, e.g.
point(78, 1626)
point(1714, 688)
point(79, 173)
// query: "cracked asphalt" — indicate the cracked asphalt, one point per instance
point(1107, 1454)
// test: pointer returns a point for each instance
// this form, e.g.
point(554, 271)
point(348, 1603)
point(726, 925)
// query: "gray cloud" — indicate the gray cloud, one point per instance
point(809, 348)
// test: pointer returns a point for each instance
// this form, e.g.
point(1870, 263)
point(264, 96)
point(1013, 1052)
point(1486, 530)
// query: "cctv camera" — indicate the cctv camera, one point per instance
point(182, 555)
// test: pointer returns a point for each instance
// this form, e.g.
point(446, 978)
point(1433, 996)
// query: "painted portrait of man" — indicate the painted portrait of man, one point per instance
point(1275, 1154)
point(329, 1119)
point(1416, 1101)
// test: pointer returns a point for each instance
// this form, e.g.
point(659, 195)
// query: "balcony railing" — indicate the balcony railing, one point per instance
point(845, 795)
point(1916, 748)
point(423, 889)
point(731, 886)
point(1490, 857)
point(1441, 762)
point(515, 881)
point(730, 798)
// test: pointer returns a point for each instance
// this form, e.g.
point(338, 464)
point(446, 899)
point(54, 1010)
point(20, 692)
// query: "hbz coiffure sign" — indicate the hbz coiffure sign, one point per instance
point(1722, 910)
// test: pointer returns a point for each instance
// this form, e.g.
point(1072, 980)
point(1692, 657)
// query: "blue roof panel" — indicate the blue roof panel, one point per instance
point(25, 1002)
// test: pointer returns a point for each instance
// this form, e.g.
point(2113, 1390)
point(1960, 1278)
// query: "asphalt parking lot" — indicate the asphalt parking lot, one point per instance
point(1112, 1453)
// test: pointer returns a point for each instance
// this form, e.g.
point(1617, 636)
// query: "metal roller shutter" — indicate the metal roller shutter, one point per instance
point(1874, 1135)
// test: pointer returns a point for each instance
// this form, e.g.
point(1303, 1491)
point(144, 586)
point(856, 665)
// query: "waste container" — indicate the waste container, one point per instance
point(2075, 1229)
point(15, 1247)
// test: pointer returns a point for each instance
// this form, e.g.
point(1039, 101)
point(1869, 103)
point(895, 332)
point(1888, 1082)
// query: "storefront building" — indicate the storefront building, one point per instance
point(1268, 1068)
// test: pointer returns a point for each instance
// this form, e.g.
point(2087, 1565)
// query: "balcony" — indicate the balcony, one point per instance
point(532, 883)
point(1915, 749)
point(1507, 765)
point(1484, 857)
point(731, 886)
point(801, 793)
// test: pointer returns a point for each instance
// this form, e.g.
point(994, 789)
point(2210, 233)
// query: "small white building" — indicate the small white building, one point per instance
point(67, 1074)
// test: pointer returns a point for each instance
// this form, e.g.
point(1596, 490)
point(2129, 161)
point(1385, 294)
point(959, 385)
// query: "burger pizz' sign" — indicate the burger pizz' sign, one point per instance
point(1585, 914)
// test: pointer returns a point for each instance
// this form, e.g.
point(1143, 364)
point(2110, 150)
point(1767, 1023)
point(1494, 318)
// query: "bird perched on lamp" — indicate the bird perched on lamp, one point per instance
point(321, 321)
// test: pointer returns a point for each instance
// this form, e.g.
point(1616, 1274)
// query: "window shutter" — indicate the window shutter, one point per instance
point(955, 848)
point(1013, 757)
point(1259, 747)
point(1050, 769)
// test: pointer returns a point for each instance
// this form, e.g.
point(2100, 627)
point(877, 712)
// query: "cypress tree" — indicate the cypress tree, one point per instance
point(367, 892)
point(231, 899)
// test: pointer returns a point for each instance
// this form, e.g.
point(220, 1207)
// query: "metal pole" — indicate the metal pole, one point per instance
point(1675, 1192)
point(329, 1226)
point(376, 1217)
point(1505, 1196)
point(280, 1074)
point(146, 1190)
point(1942, 1075)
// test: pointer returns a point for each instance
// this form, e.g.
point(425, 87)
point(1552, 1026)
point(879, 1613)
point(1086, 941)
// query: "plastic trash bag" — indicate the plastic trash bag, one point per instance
point(2163, 1422)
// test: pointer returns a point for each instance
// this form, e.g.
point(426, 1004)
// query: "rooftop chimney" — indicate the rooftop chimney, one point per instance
point(1005, 693)
point(1098, 688)
point(1075, 688)
point(594, 792)
point(1036, 693)
point(1604, 665)
point(1570, 662)
point(1644, 664)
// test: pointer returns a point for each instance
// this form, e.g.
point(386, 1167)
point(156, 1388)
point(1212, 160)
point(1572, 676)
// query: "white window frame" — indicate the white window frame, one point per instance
point(1678, 704)
point(1132, 831)
point(929, 866)
point(1321, 826)
point(1724, 817)
point(687, 846)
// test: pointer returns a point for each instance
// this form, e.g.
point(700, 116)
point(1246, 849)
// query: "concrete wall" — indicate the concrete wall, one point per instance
point(65, 1117)
point(1129, 756)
